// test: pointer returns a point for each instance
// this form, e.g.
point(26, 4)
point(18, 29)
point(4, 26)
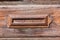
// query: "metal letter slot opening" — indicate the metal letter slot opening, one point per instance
point(28, 21)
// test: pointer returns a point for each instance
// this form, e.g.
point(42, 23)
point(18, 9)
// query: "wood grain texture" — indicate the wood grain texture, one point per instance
point(30, 38)
point(29, 20)
point(52, 31)
point(16, 2)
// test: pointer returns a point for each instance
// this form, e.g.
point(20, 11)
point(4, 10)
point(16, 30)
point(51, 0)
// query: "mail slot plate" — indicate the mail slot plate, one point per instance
point(28, 21)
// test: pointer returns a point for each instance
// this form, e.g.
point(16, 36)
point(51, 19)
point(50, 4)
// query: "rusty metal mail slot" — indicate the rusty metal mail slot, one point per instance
point(28, 21)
